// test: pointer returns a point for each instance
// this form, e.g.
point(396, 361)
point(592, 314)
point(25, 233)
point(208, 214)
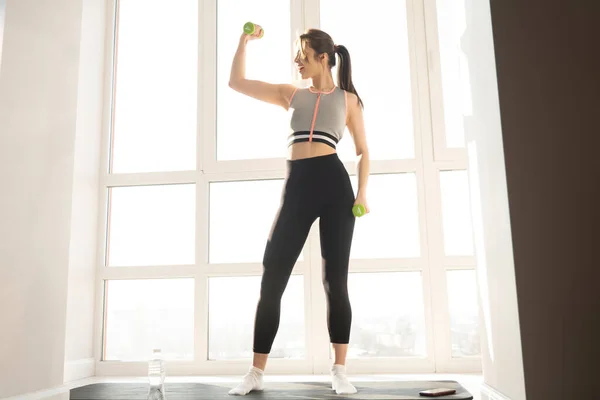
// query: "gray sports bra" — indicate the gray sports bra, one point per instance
point(318, 116)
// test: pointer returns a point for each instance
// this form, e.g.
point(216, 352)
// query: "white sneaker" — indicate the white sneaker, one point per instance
point(253, 380)
point(339, 380)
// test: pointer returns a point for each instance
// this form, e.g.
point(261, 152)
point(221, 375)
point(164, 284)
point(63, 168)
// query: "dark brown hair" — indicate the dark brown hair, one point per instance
point(322, 43)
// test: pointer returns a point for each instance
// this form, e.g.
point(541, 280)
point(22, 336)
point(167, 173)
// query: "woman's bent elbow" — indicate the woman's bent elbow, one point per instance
point(237, 85)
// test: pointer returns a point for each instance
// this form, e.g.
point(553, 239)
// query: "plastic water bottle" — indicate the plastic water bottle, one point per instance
point(156, 376)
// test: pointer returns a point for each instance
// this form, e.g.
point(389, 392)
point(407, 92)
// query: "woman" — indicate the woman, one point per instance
point(316, 186)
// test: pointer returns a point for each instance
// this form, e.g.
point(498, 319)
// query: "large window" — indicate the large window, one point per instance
point(252, 215)
point(462, 304)
point(151, 225)
point(381, 71)
point(390, 320)
point(393, 199)
point(246, 128)
point(450, 78)
point(194, 173)
point(156, 74)
point(231, 338)
point(456, 213)
point(148, 313)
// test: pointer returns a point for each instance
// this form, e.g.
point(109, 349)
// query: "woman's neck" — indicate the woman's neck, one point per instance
point(323, 83)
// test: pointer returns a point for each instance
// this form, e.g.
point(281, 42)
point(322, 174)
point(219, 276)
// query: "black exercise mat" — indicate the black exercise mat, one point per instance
point(387, 390)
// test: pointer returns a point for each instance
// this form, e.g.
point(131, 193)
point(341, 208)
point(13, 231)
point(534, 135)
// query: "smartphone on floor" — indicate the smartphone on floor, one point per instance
point(437, 392)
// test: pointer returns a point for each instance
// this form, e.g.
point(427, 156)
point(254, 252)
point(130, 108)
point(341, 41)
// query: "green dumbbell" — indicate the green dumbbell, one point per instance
point(358, 210)
point(250, 28)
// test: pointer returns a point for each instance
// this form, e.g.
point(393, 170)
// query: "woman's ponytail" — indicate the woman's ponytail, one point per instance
point(345, 71)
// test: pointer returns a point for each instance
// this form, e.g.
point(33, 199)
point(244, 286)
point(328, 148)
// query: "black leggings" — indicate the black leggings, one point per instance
point(314, 188)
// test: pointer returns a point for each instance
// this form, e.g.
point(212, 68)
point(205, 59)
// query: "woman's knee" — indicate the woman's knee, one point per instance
point(272, 287)
point(336, 289)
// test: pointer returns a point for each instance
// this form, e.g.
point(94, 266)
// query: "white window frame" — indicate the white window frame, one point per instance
point(441, 150)
point(427, 165)
point(438, 157)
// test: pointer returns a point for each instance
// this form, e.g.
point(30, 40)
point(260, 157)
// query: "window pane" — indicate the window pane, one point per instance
point(156, 86)
point(380, 72)
point(231, 337)
point(152, 225)
point(391, 229)
point(142, 315)
point(241, 217)
point(464, 314)
point(456, 213)
point(452, 24)
point(248, 128)
point(390, 320)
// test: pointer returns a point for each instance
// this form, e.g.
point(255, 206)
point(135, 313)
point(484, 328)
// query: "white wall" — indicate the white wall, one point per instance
point(79, 351)
point(48, 194)
point(501, 341)
point(2, 8)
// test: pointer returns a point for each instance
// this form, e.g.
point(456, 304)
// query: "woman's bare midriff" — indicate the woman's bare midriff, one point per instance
point(302, 150)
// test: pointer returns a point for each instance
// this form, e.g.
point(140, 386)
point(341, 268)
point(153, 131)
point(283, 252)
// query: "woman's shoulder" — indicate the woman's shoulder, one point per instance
point(350, 96)
point(351, 99)
point(299, 91)
point(299, 88)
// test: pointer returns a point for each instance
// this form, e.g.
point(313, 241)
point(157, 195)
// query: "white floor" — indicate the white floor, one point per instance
point(472, 382)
